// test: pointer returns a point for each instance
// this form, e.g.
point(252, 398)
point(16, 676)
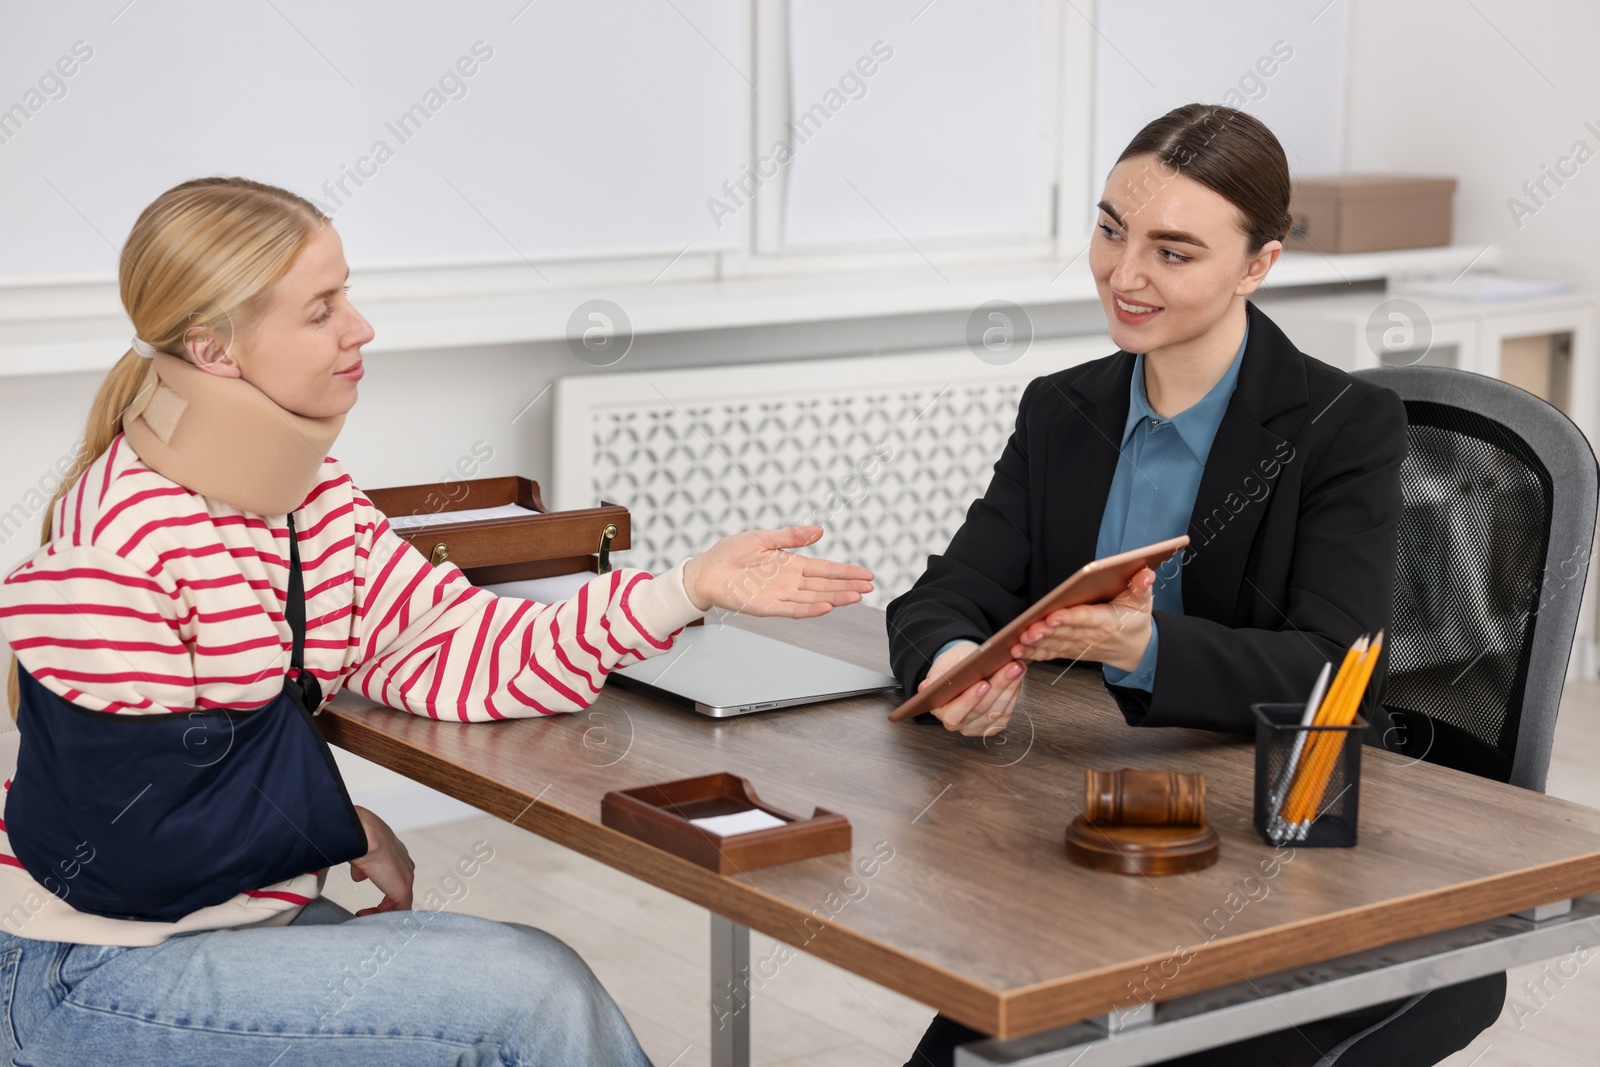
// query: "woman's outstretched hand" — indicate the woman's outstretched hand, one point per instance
point(387, 863)
point(752, 572)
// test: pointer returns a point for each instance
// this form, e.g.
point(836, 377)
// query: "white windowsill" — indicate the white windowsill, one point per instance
point(75, 326)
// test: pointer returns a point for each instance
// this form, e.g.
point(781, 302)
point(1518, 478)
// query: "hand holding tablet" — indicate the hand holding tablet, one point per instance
point(1096, 582)
point(981, 709)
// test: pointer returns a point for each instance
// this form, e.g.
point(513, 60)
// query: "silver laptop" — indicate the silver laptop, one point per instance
point(722, 670)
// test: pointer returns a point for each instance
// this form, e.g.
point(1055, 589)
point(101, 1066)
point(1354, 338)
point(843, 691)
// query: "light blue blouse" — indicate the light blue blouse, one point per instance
point(1152, 493)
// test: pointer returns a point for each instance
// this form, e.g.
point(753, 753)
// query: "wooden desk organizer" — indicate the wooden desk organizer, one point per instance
point(511, 549)
point(1143, 822)
point(659, 815)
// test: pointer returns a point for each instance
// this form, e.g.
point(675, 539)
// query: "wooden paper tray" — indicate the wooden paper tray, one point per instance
point(659, 815)
point(511, 549)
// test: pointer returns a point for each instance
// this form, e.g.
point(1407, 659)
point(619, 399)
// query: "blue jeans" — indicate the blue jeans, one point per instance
point(396, 989)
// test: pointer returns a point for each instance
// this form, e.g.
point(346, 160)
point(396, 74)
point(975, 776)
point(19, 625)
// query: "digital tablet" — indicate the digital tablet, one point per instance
point(1096, 582)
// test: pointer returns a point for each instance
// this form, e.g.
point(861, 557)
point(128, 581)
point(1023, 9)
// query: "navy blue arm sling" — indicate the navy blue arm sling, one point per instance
point(152, 817)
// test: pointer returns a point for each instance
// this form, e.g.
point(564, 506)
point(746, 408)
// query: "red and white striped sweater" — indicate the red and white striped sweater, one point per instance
point(152, 599)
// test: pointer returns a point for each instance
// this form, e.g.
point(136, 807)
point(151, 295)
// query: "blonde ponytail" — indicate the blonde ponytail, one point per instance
point(203, 254)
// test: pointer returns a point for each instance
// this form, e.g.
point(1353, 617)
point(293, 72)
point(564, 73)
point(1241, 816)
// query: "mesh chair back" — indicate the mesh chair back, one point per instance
point(1499, 514)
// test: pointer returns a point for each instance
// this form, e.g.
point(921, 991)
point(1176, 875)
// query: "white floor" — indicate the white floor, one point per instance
point(1557, 1025)
point(650, 948)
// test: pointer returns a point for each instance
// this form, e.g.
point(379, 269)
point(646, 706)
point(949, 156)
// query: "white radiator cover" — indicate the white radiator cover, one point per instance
point(886, 453)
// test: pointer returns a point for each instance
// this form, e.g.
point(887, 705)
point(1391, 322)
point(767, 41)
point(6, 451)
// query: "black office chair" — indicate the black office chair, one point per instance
point(1500, 492)
point(1498, 523)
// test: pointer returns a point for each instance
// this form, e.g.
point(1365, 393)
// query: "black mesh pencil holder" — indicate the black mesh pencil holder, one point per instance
point(1292, 762)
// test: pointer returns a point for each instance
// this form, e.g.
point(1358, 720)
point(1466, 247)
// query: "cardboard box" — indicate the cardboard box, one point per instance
point(1541, 364)
point(1370, 213)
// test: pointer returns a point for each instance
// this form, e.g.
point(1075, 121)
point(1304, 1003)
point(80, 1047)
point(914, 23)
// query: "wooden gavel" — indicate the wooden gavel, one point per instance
point(1144, 798)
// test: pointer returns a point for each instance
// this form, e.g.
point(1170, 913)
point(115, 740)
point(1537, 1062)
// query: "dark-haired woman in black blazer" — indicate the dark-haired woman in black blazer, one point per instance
point(1283, 471)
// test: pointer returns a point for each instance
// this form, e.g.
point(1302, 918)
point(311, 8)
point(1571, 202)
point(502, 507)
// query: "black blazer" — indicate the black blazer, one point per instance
point(1292, 537)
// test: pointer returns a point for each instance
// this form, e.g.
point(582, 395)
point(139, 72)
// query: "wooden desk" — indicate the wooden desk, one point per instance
point(977, 911)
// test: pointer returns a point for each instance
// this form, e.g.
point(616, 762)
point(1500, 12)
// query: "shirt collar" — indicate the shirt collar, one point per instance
point(1196, 424)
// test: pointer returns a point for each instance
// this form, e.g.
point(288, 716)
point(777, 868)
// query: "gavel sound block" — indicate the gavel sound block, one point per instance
point(1143, 822)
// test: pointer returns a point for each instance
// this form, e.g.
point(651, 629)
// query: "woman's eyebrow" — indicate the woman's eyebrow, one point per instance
point(1178, 236)
point(329, 292)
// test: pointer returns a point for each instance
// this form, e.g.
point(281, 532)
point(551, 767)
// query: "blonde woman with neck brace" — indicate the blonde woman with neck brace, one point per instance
point(209, 577)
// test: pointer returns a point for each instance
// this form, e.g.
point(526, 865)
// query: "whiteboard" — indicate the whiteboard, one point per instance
point(584, 129)
point(1154, 55)
point(944, 139)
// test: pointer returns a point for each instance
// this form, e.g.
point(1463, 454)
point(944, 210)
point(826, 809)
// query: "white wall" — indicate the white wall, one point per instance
point(1490, 92)
point(1282, 61)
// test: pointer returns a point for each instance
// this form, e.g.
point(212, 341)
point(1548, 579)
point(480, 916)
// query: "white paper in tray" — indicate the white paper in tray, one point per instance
point(544, 590)
point(439, 518)
point(740, 822)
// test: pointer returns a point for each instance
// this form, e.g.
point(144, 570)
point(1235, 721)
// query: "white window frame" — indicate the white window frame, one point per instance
point(1062, 221)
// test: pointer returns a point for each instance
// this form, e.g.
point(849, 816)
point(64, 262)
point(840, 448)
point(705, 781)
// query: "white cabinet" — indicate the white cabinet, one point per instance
point(1375, 328)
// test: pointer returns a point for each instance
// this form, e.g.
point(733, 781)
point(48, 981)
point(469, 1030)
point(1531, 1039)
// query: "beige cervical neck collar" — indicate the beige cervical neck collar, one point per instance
point(225, 439)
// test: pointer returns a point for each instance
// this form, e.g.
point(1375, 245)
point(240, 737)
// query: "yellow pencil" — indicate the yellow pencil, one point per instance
point(1341, 681)
point(1328, 759)
point(1317, 741)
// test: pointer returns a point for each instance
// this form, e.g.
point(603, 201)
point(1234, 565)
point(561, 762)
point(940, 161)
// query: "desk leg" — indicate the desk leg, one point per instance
point(730, 993)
